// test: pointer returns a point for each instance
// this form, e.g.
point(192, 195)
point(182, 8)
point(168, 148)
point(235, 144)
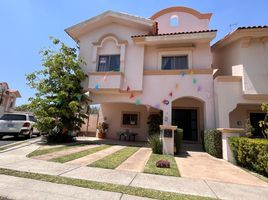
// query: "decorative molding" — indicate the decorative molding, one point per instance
point(245, 42)
point(182, 9)
point(256, 96)
point(228, 78)
point(177, 72)
point(119, 43)
point(177, 52)
point(105, 73)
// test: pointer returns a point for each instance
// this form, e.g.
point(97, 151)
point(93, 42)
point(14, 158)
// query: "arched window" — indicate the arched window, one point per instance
point(174, 21)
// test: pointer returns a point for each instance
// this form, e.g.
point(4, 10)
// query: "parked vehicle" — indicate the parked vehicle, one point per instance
point(16, 124)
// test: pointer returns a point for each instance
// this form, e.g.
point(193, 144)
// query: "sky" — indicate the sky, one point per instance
point(27, 24)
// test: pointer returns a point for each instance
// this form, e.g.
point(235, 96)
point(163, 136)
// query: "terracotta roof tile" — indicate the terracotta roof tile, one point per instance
point(251, 27)
point(175, 33)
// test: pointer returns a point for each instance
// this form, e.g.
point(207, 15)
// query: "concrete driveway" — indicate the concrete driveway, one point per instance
point(194, 163)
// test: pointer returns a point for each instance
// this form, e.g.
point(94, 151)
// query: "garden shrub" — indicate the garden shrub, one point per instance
point(178, 135)
point(163, 164)
point(155, 143)
point(251, 153)
point(213, 142)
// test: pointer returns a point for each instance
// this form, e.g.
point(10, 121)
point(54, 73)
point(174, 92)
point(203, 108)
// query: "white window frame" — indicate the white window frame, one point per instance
point(187, 53)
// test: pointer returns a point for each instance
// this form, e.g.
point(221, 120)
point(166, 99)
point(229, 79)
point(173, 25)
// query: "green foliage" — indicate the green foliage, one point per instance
point(23, 108)
point(264, 123)
point(154, 122)
point(102, 127)
point(178, 135)
point(155, 143)
point(151, 167)
point(251, 153)
point(213, 142)
point(59, 98)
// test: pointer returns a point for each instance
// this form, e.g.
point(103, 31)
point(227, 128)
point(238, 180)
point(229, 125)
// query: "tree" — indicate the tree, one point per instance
point(23, 108)
point(264, 123)
point(60, 99)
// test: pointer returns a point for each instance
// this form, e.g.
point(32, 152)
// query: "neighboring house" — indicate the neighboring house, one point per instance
point(138, 66)
point(241, 84)
point(7, 98)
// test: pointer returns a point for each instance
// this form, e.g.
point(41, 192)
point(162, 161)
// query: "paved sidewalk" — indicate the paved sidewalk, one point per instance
point(137, 161)
point(200, 165)
point(16, 160)
point(22, 188)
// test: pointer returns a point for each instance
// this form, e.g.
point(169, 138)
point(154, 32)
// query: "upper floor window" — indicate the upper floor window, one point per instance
point(109, 63)
point(175, 62)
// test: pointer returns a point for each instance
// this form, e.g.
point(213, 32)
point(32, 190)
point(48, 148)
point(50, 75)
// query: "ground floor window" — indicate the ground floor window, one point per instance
point(130, 119)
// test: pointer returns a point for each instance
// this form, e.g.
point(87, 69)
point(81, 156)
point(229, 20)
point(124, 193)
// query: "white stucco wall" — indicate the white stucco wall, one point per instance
point(133, 64)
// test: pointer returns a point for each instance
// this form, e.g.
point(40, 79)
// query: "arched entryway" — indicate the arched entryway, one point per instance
point(188, 114)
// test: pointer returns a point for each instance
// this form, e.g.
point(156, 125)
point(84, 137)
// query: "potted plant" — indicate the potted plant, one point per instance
point(102, 128)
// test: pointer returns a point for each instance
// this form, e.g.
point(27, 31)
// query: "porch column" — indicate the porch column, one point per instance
point(167, 114)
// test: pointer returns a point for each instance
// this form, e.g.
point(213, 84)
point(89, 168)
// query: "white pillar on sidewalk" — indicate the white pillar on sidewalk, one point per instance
point(226, 149)
point(167, 137)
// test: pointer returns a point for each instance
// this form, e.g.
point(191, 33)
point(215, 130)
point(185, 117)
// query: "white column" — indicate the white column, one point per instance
point(167, 114)
point(226, 149)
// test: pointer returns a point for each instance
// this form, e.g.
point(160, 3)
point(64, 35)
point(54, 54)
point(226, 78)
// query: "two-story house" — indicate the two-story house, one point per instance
point(138, 66)
point(241, 84)
point(7, 98)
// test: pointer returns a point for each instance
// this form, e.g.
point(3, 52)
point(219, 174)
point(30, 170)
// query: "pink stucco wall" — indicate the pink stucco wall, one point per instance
point(187, 23)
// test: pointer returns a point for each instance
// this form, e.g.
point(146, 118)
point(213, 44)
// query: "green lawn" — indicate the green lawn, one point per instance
point(129, 190)
point(40, 152)
point(80, 154)
point(114, 160)
point(151, 168)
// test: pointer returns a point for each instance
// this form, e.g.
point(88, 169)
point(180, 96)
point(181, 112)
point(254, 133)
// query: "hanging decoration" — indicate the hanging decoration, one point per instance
point(128, 88)
point(170, 94)
point(199, 88)
point(131, 95)
point(157, 106)
point(97, 87)
point(165, 101)
point(138, 102)
point(191, 72)
point(194, 81)
point(177, 86)
point(182, 74)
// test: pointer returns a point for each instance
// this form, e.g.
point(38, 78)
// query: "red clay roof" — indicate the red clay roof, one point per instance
point(175, 33)
point(251, 27)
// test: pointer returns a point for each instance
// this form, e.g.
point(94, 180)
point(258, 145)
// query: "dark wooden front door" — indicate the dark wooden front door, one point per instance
point(187, 120)
point(254, 120)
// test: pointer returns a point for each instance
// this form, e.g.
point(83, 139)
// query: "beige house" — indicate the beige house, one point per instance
point(241, 82)
point(7, 98)
point(163, 64)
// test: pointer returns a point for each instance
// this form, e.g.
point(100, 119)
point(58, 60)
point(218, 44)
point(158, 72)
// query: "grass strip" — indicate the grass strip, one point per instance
point(40, 152)
point(114, 160)
point(80, 154)
point(151, 168)
point(129, 190)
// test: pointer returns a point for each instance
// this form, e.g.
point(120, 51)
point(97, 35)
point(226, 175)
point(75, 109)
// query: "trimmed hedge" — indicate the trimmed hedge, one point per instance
point(213, 142)
point(178, 135)
point(251, 153)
